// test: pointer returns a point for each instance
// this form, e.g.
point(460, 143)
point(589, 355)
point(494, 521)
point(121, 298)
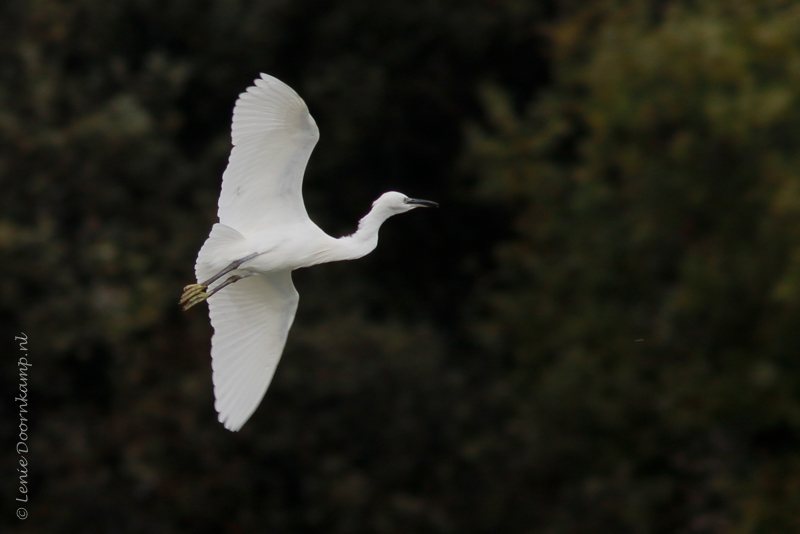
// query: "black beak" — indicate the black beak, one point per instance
point(422, 203)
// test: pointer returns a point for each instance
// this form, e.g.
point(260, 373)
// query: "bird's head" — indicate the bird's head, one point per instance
point(395, 203)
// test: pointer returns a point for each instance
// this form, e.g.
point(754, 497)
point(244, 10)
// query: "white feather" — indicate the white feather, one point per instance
point(273, 135)
point(251, 320)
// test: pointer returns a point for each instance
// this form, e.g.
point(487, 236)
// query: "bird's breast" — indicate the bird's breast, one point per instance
point(289, 250)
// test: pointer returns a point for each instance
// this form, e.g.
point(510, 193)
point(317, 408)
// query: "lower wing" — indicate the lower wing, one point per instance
point(251, 319)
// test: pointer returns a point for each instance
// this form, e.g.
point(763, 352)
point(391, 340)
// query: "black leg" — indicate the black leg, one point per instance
point(232, 267)
point(230, 280)
point(196, 293)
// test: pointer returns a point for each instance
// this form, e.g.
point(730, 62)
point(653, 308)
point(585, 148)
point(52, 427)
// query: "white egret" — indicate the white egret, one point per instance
point(263, 234)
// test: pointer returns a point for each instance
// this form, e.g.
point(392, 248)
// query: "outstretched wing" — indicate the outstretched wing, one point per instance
point(251, 319)
point(273, 135)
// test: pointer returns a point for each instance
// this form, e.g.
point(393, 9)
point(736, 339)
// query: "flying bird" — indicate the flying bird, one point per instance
point(244, 269)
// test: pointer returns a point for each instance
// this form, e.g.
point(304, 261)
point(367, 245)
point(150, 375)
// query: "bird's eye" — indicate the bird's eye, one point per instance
point(406, 200)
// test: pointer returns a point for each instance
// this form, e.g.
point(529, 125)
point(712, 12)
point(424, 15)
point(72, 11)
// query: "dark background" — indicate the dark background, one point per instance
point(598, 332)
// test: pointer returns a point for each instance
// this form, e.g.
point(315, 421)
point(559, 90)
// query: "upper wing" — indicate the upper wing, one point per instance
point(251, 319)
point(273, 135)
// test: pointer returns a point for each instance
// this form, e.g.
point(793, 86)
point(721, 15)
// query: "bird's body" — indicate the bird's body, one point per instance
point(264, 234)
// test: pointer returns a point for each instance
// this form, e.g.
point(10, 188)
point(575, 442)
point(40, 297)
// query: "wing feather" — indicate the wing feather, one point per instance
point(251, 320)
point(273, 136)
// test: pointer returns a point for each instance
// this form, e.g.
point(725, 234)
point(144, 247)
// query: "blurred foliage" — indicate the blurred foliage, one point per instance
point(650, 295)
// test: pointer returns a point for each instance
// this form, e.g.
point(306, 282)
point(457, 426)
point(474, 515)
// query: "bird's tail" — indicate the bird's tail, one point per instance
point(223, 246)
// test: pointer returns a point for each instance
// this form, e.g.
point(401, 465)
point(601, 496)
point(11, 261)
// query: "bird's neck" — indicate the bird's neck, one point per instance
point(365, 238)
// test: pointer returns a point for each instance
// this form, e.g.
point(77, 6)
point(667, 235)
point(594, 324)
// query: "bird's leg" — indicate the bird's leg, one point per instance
point(197, 296)
point(200, 296)
point(231, 279)
point(196, 293)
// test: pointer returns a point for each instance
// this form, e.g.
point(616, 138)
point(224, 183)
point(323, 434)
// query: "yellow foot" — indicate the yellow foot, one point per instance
point(193, 294)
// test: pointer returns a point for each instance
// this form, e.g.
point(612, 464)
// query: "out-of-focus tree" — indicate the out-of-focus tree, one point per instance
point(651, 293)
